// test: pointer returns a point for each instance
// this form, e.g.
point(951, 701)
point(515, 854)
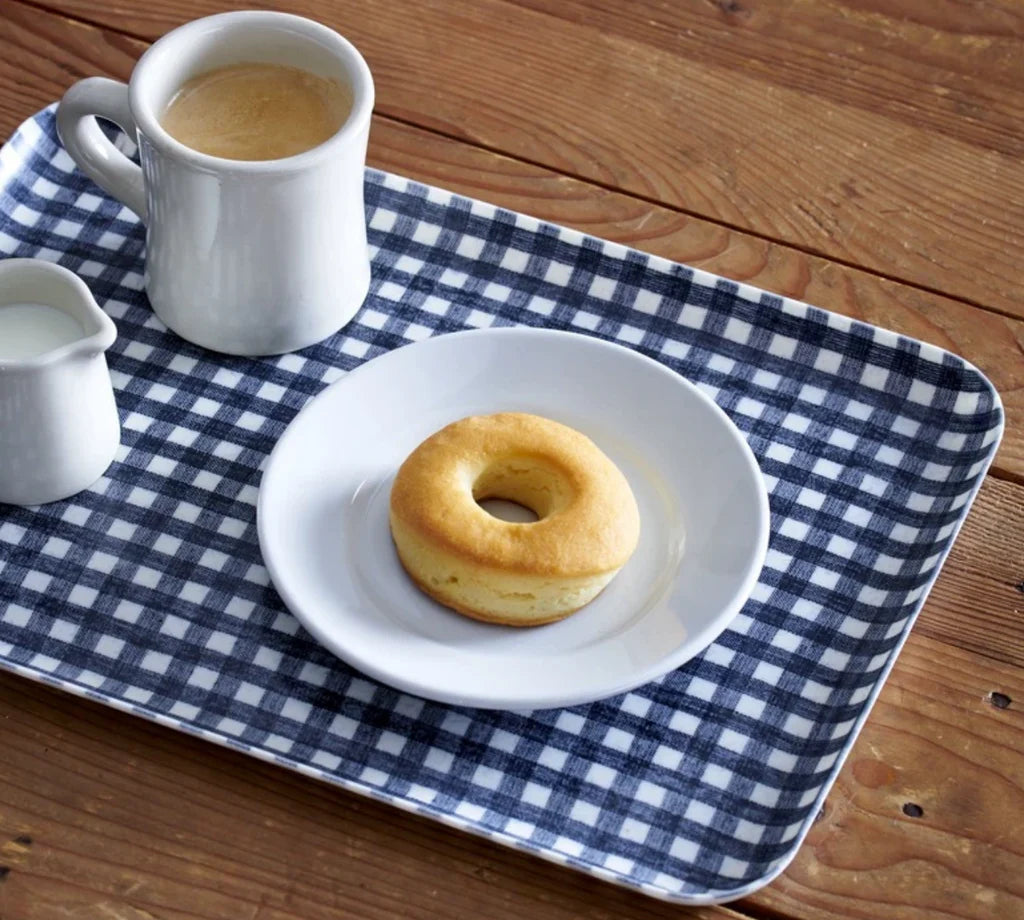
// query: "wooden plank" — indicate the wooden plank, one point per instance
point(920, 202)
point(978, 601)
point(112, 816)
point(943, 66)
point(47, 52)
point(934, 740)
point(43, 54)
point(124, 815)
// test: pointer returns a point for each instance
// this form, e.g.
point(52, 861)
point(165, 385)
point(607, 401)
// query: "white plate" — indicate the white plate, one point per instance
point(323, 519)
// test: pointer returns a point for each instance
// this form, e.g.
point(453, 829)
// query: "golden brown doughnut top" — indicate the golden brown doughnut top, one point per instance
point(589, 522)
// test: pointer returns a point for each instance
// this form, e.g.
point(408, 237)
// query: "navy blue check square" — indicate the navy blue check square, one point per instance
point(148, 591)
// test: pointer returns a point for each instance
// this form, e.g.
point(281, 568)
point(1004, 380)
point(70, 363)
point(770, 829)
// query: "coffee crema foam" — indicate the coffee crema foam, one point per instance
point(256, 111)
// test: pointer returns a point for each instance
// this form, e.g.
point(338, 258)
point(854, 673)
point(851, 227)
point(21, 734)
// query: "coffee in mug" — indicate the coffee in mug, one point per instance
point(256, 111)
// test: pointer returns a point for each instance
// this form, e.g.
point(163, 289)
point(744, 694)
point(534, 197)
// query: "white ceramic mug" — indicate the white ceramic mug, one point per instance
point(244, 257)
point(59, 429)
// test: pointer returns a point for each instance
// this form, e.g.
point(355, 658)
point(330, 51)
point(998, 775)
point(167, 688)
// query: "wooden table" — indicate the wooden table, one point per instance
point(864, 155)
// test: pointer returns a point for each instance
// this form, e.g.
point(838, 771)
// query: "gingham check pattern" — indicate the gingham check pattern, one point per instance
point(148, 591)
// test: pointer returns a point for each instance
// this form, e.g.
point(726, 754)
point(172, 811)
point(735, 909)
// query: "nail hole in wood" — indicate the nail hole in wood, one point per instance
point(912, 810)
point(23, 840)
point(1020, 586)
point(4, 872)
point(999, 700)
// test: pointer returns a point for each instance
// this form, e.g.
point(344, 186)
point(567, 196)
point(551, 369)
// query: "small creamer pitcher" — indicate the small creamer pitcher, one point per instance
point(59, 429)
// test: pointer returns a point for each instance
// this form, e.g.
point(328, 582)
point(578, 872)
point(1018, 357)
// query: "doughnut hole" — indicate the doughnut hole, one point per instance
point(509, 512)
point(526, 481)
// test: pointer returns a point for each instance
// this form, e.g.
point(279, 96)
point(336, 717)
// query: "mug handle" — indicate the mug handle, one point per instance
point(89, 147)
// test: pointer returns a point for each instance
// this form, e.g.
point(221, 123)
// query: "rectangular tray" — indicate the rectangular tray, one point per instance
point(147, 592)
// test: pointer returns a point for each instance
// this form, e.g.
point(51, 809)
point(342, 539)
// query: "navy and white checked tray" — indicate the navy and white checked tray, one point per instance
point(148, 593)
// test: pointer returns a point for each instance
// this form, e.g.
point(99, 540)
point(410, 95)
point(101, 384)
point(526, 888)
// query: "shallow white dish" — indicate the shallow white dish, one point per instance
point(323, 519)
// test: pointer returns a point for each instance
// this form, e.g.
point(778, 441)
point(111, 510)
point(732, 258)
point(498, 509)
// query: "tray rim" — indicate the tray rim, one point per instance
point(798, 308)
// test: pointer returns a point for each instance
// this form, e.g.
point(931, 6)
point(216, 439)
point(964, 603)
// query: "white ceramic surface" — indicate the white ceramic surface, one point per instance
point(242, 257)
point(323, 522)
point(59, 429)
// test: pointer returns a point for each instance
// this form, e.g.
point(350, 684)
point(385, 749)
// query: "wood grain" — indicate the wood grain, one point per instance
point(978, 602)
point(130, 820)
point(942, 66)
point(920, 202)
point(933, 740)
point(48, 53)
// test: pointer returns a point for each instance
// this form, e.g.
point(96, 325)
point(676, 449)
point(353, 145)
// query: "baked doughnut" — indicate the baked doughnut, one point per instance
point(517, 574)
